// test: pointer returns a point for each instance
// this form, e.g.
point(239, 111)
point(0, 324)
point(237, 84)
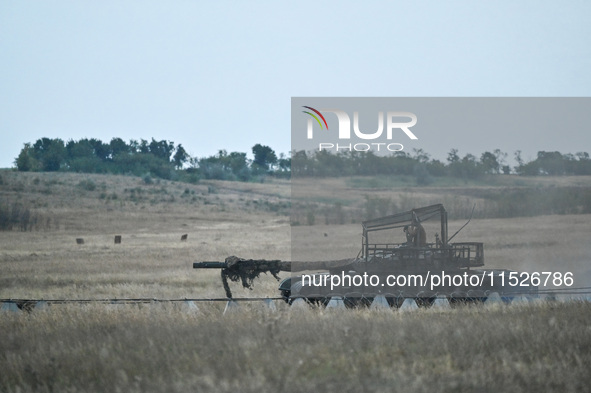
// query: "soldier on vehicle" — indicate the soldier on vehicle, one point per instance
point(420, 235)
point(415, 235)
point(409, 235)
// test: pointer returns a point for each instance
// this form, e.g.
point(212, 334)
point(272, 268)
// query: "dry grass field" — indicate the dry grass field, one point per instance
point(169, 347)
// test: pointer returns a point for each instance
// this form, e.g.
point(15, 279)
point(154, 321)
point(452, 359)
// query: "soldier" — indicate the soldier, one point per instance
point(408, 231)
point(415, 235)
point(420, 235)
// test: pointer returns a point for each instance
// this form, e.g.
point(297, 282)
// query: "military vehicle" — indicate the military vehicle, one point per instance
point(396, 262)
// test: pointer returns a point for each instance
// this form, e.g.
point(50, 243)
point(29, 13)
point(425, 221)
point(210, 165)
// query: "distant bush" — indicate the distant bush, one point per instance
point(87, 185)
point(16, 216)
point(533, 202)
point(148, 179)
point(310, 218)
point(378, 207)
point(422, 175)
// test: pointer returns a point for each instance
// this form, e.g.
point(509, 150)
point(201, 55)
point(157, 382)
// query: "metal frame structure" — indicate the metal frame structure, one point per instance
point(461, 255)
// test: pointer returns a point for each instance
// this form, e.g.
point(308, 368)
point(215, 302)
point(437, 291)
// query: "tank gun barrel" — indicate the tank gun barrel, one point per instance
point(284, 266)
point(210, 265)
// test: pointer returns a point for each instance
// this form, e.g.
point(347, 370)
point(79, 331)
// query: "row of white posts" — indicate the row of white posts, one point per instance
point(379, 302)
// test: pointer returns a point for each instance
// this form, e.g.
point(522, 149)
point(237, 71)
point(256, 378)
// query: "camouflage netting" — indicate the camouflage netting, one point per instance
point(247, 270)
point(26, 305)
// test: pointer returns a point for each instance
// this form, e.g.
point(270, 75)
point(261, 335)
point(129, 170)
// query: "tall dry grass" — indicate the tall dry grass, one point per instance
point(165, 348)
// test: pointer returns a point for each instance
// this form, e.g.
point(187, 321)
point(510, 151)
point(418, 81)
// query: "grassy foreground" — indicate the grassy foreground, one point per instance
point(165, 348)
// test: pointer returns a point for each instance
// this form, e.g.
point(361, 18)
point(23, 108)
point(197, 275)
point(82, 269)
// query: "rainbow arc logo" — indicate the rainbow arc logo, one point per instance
point(315, 117)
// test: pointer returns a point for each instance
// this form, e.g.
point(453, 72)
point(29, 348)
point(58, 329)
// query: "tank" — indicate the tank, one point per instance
point(396, 262)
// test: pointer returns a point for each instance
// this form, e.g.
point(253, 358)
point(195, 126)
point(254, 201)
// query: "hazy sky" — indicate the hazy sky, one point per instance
point(220, 75)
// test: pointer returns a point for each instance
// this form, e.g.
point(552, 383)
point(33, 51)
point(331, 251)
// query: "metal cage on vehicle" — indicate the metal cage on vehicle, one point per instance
point(459, 255)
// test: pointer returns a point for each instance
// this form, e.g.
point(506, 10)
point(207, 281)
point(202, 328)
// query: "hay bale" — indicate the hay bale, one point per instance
point(117, 239)
point(79, 240)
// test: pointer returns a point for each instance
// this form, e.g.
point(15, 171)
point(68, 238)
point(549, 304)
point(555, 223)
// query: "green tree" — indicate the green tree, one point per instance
point(25, 161)
point(436, 168)
point(101, 150)
point(143, 146)
point(161, 149)
point(180, 156)
point(79, 149)
point(421, 156)
point(264, 156)
point(583, 164)
point(284, 163)
point(489, 163)
point(81, 157)
point(452, 156)
point(551, 162)
point(520, 162)
point(300, 163)
point(118, 146)
point(51, 153)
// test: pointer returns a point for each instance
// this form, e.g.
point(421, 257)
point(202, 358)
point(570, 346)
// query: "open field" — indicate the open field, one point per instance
point(168, 347)
point(220, 218)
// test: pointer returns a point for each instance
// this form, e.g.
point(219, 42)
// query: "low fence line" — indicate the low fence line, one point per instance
point(567, 289)
point(140, 300)
point(558, 291)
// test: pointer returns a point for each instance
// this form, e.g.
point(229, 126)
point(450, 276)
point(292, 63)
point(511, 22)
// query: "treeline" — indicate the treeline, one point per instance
point(420, 164)
point(161, 159)
point(166, 160)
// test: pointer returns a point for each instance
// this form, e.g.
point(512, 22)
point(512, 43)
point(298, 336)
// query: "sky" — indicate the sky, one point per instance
point(220, 75)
